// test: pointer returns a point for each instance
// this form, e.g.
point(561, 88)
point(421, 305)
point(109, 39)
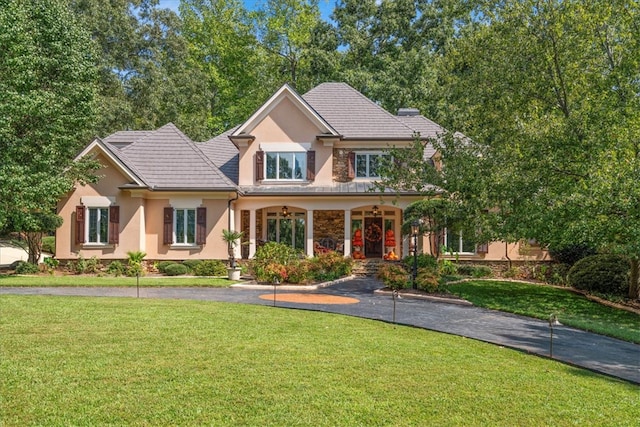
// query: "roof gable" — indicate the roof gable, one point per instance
point(116, 157)
point(285, 92)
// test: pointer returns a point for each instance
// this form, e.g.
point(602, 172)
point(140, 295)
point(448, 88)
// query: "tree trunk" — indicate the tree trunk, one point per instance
point(34, 245)
point(633, 278)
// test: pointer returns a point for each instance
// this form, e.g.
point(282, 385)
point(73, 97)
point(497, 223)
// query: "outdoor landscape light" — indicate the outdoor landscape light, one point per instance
point(415, 229)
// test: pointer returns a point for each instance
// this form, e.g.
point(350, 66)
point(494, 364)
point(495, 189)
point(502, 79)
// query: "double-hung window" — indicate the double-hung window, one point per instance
point(455, 242)
point(98, 225)
point(283, 166)
point(185, 227)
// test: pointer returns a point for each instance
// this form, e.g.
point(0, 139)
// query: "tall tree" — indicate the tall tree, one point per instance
point(223, 47)
point(285, 29)
point(547, 92)
point(47, 105)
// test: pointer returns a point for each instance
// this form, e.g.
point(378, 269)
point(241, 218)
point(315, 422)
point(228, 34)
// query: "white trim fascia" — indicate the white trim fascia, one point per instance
point(284, 92)
point(98, 144)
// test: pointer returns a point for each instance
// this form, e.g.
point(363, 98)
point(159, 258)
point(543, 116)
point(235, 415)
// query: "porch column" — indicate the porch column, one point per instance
point(310, 232)
point(252, 233)
point(347, 232)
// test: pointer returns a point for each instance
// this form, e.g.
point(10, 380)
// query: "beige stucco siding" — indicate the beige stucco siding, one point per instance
point(285, 124)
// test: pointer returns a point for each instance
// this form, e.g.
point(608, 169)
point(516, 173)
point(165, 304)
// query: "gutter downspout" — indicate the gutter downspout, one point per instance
point(229, 245)
point(506, 253)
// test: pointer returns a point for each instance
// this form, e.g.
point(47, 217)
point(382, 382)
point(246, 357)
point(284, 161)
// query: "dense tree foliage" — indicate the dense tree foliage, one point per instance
point(47, 110)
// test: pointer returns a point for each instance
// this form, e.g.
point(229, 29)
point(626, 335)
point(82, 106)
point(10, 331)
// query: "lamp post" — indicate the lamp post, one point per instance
point(415, 229)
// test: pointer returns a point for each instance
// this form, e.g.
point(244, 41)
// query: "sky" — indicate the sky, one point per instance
point(326, 6)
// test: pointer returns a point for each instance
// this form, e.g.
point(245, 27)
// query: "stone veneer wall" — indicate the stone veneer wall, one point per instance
point(328, 224)
point(341, 165)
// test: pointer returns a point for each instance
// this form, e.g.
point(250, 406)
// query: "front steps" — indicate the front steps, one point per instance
point(367, 267)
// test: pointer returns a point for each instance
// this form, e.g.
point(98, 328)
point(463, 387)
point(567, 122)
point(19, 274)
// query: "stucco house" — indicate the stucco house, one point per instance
point(299, 170)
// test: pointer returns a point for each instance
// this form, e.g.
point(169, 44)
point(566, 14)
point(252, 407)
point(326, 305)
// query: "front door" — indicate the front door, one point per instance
point(373, 237)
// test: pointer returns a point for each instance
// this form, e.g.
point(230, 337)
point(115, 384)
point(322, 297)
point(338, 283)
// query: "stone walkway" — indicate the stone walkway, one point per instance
point(591, 351)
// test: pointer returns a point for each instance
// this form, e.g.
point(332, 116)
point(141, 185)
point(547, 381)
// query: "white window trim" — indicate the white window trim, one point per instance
point(185, 245)
point(367, 153)
point(459, 245)
point(282, 180)
point(87, 216)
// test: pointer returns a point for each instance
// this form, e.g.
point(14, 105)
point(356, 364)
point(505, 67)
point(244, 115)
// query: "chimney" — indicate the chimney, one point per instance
point(408, 112)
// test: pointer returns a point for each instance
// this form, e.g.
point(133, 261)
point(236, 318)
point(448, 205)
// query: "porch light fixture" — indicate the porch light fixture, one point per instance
point(415, 229)
point(375, 210)
point(285, 212)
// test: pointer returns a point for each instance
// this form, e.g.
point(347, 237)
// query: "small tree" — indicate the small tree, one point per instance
point(232, 239)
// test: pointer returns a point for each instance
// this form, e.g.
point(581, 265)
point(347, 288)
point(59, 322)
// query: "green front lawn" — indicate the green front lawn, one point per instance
point(84, 280)
point(108, 361)
point(541, 301)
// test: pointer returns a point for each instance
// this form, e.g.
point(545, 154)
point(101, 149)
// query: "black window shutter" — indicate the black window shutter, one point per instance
point(311, 165)
point(80, 224)
point(482, 248)
point(201, 226)
point(259, 165)
point(114, 225)
point(168, 226)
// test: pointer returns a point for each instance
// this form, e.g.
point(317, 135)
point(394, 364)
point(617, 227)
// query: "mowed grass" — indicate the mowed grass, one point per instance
point(541, 301)
point(105, 361)
point(110, 281)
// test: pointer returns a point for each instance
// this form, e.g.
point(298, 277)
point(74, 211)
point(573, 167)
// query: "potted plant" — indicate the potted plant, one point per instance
point(232, 239)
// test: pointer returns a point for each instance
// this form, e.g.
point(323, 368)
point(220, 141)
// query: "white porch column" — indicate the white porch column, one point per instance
point(235, 226)
point(347, 232)
point(252, 233)
point(143, 227)
point(310, 233)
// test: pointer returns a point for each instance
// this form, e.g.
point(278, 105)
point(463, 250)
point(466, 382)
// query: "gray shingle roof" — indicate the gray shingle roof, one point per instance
point(167, 159)
point(223, 153)
point(126, 137)
point(354, 115)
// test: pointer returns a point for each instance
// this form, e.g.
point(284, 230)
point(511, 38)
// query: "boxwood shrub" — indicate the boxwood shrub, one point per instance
point(210, 268)
point(162, 266)
point(192, 264)
point(176, 270)
point(24, 267)
point(605, 273)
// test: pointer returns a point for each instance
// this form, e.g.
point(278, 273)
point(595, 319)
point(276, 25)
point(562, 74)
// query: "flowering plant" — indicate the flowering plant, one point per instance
point(277, 273)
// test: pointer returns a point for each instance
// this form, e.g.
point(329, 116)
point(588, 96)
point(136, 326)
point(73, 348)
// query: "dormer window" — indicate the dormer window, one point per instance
point(282, 166)
point(287, 166)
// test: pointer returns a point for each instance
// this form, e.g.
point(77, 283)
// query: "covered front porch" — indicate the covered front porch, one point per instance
point(362, 228)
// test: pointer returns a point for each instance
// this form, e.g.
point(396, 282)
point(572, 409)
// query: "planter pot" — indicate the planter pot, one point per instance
point(233, 273)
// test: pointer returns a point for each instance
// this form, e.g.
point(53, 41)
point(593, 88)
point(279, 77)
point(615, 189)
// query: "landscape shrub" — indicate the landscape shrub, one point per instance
point(447, 267)
point(24, 267)
point(51, 264)
point(134, 263)
point(49, 244)
point(571, 253)
point(192, 264)
point(481, 271)
point(116, 268)
point(298, 272)
point(423, 261)
point(427, 279)
point(176, 270)
point(86, 266)
point(330, 266)
point(212, 267)
point(394, 276)
point(272, 253)
point(605, 273)
point(162, 265)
